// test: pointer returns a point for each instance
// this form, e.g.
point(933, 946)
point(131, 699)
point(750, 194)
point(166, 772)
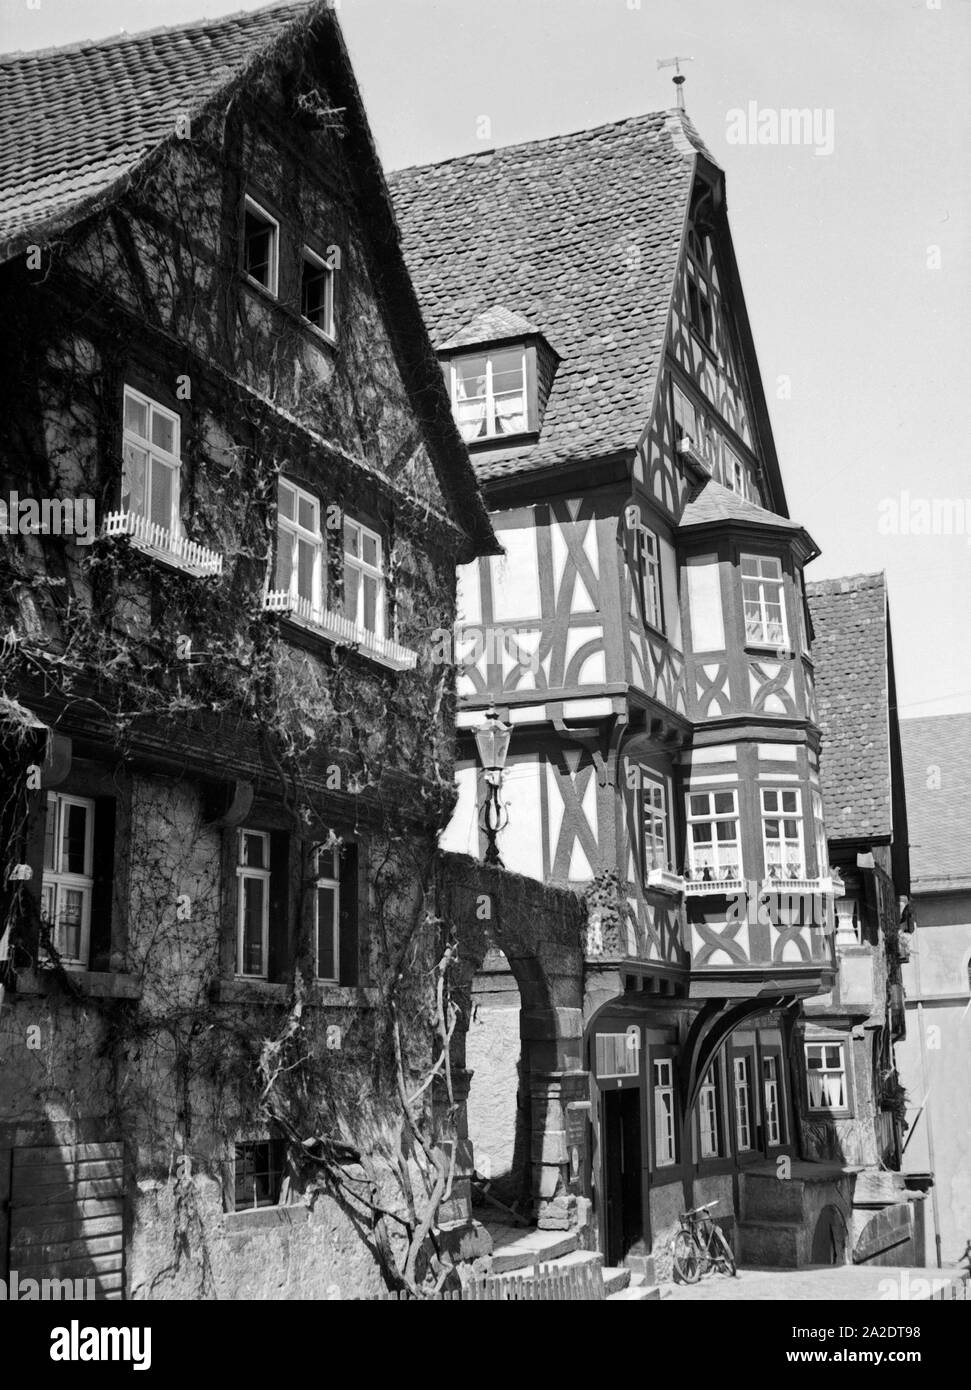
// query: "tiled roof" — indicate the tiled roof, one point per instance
point(717, 503)
point(491, 326)
point(76, 120)
point(937, 773)
point(580, 234)
point(851, 660)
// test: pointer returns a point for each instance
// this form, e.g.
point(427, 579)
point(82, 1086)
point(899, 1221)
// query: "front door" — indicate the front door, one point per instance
point(623, 1171)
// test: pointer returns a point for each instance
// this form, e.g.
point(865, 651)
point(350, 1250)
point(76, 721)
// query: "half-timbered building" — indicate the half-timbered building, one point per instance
point(645, 636)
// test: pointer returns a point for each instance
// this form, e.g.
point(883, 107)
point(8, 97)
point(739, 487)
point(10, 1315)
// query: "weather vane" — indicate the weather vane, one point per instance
point(678, 78)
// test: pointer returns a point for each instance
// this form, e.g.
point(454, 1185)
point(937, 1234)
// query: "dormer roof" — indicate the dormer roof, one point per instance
point(714, 504)
point(495, 325)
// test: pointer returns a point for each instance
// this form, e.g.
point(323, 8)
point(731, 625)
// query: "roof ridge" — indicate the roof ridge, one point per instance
point(562, 136)
point(22, 55)
point(878, 579)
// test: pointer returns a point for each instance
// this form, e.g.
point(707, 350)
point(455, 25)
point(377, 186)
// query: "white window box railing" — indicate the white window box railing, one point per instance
point(691, 451)
point(156, 540)
point(700, 887)
point(339, 629)
point(665, 881)
point(825, 887)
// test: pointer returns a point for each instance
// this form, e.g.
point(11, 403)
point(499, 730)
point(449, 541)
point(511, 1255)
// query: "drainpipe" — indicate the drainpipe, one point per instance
point(928, 1120)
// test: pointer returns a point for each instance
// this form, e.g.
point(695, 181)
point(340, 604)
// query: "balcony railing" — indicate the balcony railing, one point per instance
point(665, 881)
point(340, 629)
point(156, 540)
point(700, 887)
point(821, 887)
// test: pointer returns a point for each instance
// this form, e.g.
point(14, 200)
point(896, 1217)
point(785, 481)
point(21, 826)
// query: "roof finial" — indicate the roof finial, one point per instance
point(678, 78)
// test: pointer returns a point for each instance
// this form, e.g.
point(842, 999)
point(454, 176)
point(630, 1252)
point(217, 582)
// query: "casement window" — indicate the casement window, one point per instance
point(685, 418)
point(743, 1103)
point(763, 600)
point(648, 558)
point(151, 462)
point(616, 1055)
point(261, 246)
point(67, 886)
point(699, 292)
point(772, 1101)
point(253, 904)
point(665, 1148)
point(826, 1076)
point(317, 292)
point(655, 828)
point(258, 1174)
point(300, 556)
point(327, 916)
point(782, 834)
point(819, 834)
point(709, 1116)
point(489, 394)
point(364, 580)
point(714, 851)
point(735, 473)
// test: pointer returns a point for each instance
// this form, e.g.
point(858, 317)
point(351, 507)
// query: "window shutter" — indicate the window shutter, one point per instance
point(349, 969)
point(103, 872)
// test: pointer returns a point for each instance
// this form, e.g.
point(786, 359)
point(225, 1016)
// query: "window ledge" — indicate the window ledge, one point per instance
point(664, 881)
point(697, 888)
point(96, 984)
point(782, 650)
point(245, 991)
point(341, 631)
point(155, 540)
point(260, 1218)
point(826, 887)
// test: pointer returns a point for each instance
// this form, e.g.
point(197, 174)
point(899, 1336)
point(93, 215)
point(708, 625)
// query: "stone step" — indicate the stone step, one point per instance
point(642, 1293)
point(514, 1248)
point(617, 1279)
point(771, 1243)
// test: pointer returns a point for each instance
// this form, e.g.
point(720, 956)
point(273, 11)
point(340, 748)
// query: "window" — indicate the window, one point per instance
point(743, 1103)
point(261, 241)
point(648, 557)
point(253, 909)
point(709, 1126)
point(67, 885)
point(151, 462)
point(762, 598)
point(489, 394)
point(774, 1131)
point(654, 822)
point(685, 419)
point(826, 1076)
point(699, 294)
point(327, 916)
point(617, 1054)
point(714, 851)
point(258, 1174)
point(364, 597)
point(664, 1137)
point(819, 833)
point(300, 549)
point(317, 292)
point(735, 473)
point(782, 834)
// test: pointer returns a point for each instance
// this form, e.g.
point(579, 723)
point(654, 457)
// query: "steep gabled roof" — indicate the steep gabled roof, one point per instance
point(581, 235)
point(79, 124)
point(851, 656)
point(937, 769)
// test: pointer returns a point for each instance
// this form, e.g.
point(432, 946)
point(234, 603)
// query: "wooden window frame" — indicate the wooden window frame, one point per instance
point(246, 871)
point(819, 833)
point(310, 257)
point(332, 881)
point(713, 1083)
point(783, 841)
point(294, 531)
point(713, 817)
point(55, 879)
point(836, 1111)
point(762, 582)
point(256, 209)
point(657, 782)
point(491, 435)
point(366, 570)
point(277, 1168)
point(746, 1056)
point(648, 561)
point(670, 1170)
point(156, 456)
point(773, 1055)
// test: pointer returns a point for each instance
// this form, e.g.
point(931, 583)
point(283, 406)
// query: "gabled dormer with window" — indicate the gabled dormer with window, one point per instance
point(499, 370)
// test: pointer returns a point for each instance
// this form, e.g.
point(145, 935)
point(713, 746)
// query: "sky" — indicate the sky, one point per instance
point(853, 246)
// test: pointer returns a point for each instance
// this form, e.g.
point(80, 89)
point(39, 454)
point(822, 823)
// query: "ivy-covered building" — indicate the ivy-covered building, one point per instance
point(228, 749)
point(645, 635)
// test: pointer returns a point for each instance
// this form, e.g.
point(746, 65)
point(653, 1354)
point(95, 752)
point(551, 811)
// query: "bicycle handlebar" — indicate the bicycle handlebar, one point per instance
point(695, 1210)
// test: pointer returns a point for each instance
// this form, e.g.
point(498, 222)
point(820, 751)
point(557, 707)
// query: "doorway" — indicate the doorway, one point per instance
point(623, 1171)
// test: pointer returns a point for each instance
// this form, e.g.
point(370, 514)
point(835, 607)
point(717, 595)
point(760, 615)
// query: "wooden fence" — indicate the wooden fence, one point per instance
point(573, 1284)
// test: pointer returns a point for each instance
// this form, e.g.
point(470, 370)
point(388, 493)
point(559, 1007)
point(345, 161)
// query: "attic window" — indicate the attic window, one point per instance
point(261, 241)
point(699, 287)
point(317, 293)
point(490, 397)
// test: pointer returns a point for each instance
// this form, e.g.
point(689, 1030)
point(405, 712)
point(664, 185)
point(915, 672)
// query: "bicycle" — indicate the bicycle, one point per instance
point(700, 1246)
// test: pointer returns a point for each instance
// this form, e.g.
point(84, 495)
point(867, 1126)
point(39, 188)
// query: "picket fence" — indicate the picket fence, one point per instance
point(578, 1284)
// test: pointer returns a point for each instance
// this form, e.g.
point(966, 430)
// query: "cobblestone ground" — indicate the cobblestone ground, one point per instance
point(846, 1283)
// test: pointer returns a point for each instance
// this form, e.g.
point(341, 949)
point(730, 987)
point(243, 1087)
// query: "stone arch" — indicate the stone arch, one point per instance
point(539, 932)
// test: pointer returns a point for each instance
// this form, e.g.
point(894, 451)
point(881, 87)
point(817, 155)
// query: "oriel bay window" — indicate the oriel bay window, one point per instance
point(151, 462)
point(489, 394)
point(782, 833)
point(714, 851)
point(763, 600)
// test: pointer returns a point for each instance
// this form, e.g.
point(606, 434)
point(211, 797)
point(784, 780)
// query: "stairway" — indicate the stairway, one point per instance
point(517, 1249)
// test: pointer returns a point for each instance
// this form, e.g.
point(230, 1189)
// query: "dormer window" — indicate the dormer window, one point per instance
point(489, 394)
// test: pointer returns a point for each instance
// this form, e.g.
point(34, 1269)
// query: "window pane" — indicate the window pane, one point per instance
point(258, 248)
point(136, 416)
point(254, 890)
point(50, 832)
point(326, 913)
point(305, 570)
point(699, 805)
point(314, 294)
point(724, 803)
point(254, 851)
point(284, 559)
point(163, 432)
point(352, 583)
point(162, 488)
point(133, 480)
point(69, 916)
point(74, 821)
point(370, 550)
point(370, 603)
point(284, 500)
point(352, 538)
point(307, 513)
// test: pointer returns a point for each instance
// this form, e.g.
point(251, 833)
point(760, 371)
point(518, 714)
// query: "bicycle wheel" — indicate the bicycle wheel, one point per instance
point(687, 1265)
point(722, 1255)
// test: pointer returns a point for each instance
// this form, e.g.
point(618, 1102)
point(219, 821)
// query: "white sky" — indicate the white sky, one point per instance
point(833, 249)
